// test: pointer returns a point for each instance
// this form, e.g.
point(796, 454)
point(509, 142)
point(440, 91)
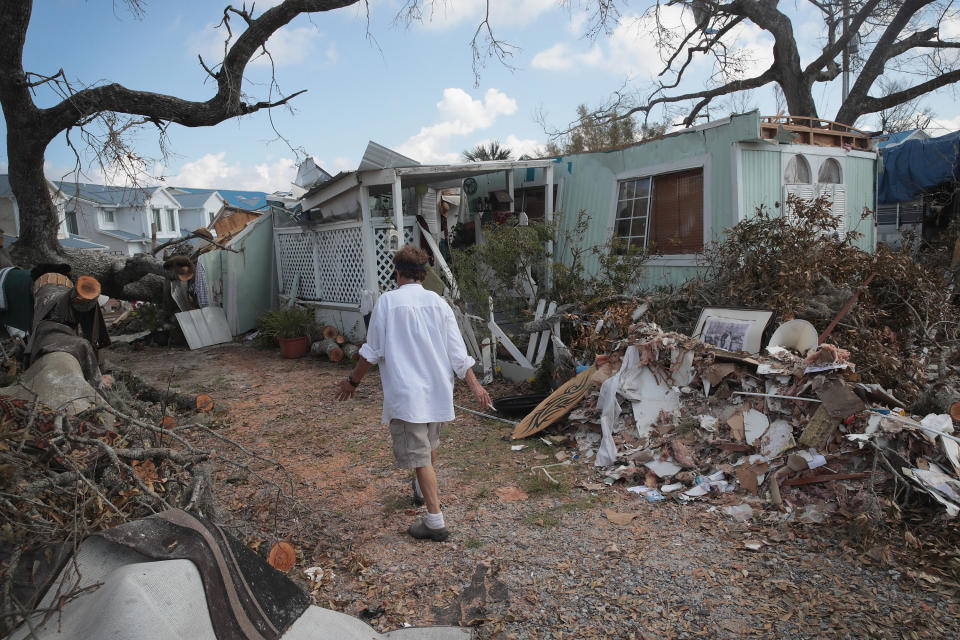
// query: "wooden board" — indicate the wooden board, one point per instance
point(559, 404)
point(820, 430)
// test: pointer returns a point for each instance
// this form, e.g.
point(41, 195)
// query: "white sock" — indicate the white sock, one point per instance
point(416, 488)
point(435, 520)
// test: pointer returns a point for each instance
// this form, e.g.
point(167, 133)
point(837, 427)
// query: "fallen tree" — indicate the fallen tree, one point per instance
point(105, 115)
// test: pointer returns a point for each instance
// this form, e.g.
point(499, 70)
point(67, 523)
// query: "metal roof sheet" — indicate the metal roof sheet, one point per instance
point(194, 199)
point(251, 200)
point(378, 156)
point(105, 194)
point(124, 235)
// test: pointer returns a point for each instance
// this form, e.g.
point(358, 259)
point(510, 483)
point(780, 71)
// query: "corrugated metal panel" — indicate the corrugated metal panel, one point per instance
point(859, 179)
point(760, 181)
point(378, 156)
point(428, 209)
point(204, 327)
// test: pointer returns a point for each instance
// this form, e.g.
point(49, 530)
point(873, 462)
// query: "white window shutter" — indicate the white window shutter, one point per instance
point(838, 195)
point(802, 191)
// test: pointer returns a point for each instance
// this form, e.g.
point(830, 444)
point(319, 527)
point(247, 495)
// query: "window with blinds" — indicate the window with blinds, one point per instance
point(662, 213)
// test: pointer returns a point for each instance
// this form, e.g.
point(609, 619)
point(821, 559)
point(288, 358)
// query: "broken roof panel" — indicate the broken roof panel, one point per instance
point(252, 200)
point(378, 156)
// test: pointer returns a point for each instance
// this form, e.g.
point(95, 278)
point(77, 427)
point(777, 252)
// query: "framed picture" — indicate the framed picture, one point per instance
point(733, 329)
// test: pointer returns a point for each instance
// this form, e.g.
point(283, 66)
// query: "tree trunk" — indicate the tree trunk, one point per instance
point(39, 221)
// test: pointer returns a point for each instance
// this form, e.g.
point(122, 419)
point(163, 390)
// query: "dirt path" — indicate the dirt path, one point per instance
point(674, 571)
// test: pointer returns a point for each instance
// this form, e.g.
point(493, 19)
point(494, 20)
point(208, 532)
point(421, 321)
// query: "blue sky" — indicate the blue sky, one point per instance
point(410, 88)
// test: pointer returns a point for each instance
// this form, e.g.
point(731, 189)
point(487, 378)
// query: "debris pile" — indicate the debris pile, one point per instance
point(901, 327)
point(797, 431)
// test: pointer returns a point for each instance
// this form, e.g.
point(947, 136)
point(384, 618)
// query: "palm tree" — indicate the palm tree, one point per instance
point(490, 151)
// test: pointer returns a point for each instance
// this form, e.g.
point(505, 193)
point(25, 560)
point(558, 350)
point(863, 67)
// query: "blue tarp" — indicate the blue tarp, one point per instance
point(916, 165)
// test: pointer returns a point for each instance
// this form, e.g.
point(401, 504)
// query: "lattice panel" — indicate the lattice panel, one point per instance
point(297, 257)
point(385, 258)
point(339, 254)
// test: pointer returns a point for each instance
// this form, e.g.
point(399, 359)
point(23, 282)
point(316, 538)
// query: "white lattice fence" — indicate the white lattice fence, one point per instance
point(329, 262)
point(339, 255)
point(295, 257)
point(385, 258)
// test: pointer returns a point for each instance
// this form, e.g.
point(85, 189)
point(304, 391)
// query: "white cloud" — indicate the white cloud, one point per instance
point(332, 54)
point(341, 163)
point(440, 14)
point(213, 172)
point(288, 46)
point(941, 126)
point(950, 27)
point(631, 49)
point(578, 22)
point(460, 115)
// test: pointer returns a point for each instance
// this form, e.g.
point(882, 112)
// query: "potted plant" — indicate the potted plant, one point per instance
point(290, 325)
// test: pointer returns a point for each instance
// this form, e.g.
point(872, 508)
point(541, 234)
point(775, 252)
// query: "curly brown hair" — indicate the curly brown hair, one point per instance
point(411, 262)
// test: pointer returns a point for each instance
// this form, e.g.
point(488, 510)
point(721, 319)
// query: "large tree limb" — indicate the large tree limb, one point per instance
point(702, 47)
point(854, 104)
point(228, 101)
point(872, 105)
point(706, 95)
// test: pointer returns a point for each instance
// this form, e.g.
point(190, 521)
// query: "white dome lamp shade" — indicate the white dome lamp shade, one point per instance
point(798, 335)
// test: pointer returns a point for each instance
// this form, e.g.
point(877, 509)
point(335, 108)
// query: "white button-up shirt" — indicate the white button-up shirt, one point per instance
point(414, 337)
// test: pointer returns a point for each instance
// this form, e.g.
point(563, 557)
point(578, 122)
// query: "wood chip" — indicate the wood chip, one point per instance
point(620, 518)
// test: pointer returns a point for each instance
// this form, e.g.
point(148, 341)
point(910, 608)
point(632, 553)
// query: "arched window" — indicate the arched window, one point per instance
point(797, 171)
point(830, 172)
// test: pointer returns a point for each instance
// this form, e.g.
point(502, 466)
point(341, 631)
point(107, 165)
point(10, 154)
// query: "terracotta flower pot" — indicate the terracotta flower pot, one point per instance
point(294, 347)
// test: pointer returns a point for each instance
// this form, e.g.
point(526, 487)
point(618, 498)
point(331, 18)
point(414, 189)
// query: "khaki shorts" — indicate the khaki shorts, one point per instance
point(413, 442)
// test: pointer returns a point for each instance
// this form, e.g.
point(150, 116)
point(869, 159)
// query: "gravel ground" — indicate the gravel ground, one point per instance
point(550, 564)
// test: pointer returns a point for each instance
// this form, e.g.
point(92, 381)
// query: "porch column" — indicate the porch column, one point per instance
point(369, 244)
point(510, 187)
point(398, 209)
point(548, 217)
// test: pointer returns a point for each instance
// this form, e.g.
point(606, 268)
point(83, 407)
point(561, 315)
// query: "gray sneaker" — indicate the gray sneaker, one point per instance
point(421, 531)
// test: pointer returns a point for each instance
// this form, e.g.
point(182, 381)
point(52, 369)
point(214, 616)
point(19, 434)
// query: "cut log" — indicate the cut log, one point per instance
point(330, 332)
point(328, 348)
point(282, 556)
point(351, 352)
point(204, 403)
point(341, 340)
